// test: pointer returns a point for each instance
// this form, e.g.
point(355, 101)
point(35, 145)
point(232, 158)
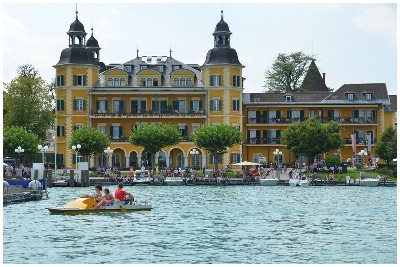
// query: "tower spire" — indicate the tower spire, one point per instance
point(137, 51)
point(76, 10)
point(170, 52)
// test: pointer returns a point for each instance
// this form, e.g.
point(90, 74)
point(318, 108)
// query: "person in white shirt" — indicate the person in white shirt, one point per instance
point(35, 185)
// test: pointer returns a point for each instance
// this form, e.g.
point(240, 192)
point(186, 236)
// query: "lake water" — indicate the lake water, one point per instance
point(210, 224)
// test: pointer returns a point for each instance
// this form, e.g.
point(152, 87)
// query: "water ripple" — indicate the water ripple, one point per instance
point(208, 224)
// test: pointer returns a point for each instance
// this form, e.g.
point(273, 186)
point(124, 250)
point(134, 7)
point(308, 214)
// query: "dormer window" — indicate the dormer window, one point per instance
point(368, 96)
point(128, 68)
point(350, 96)
point(143, 67)
point(175, 67)
point(288, 98)
point(160, 68)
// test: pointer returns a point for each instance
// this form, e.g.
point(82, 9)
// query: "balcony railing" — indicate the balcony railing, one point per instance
point(262, 140)
point(126, 139)
point(359, 141)
point(284, 120)
point(148, 113)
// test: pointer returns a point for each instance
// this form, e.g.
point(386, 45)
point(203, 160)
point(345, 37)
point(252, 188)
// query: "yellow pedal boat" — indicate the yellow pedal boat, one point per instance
point(88, 205)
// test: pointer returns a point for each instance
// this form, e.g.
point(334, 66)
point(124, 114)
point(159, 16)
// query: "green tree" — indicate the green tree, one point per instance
point(27, 102)
point(311, 137)
point(91, 140)
point(216, 139)
point(386, 148)
point(155, 137)
point(287, 73)
point(16, 136)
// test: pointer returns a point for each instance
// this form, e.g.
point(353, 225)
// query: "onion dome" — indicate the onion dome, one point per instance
point(76, 55)
point(76, 26)
point(92, 42)
point(222, 26)
point(222, 55)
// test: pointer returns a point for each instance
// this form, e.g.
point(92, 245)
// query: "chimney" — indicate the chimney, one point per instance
point(323, 76)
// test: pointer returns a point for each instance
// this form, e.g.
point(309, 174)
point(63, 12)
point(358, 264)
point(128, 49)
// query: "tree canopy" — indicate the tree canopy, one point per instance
point(386, 148)
point(155, 137)
point(16, 136)
point(312, 137)
point(27, 102)
point(216, 139)
point(91, 140)
point(287, 73)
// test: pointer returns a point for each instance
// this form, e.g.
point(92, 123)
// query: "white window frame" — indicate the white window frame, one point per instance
point(128, 68)
point(79, 104)
point(143, 67)
point(176, 82)
point(102, 129)
point(116, 82)
point(215, 80)
point(215, 105)
point(79, 80)
point(160, 68)
point(116, 106)
point(181, 106)
point(188, 82)
point(196, 105)
point(288, 98)
point(368, 96)
point(350, 96)
point(110, 82)
point(236, 105)
point(122, 82)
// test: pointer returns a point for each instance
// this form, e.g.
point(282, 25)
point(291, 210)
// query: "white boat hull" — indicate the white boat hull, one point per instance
point(269, 182)
point(369, 182)
point(296, 182)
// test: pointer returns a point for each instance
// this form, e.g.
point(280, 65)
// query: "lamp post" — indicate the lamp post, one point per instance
point(43, 149)
point(55, 155)
point(195, 154)
point(109, 152)
point(19, 150)
point(76, 149)
point(362, 153)
point(277, 153)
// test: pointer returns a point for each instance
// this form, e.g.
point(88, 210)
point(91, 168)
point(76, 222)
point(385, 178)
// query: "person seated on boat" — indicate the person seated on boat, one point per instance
point(97, 195)
point(35, 185)
point(120, 194)
point(107, 199)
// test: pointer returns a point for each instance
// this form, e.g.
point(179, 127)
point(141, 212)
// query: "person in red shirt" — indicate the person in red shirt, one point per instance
point(120, 194)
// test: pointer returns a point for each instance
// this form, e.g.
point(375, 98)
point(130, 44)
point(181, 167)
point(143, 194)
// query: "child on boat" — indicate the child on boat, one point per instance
point(107, 199)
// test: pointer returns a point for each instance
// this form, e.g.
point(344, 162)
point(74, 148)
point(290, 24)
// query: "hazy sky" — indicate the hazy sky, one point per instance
point(353, 43)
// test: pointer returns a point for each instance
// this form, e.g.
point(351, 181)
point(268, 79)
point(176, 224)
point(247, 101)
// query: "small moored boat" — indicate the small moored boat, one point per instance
point(268, 180)
point(369, 182)
point(173, 180)
point(302, 181)
point(88, 205)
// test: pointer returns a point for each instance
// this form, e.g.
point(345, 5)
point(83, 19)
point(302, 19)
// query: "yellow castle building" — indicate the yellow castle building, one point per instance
point(161, 89)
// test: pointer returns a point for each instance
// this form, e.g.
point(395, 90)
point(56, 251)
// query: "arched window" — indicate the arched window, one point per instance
point(189, 82)
point(110, 82)
point(155, 82)
point(149, 82)
point(182, 82)
point(176, 82)
point(122, 81)
point(102, 160)
point(143, 82)
point(180, 161)
point(116, 82)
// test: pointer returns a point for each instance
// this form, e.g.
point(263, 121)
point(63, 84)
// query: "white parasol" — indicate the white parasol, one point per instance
point(247, 163)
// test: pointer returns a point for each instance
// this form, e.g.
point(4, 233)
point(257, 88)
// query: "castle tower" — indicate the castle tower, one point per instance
point(223, 80)
point(77, 71)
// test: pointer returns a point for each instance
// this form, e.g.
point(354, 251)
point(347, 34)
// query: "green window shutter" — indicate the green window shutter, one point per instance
point(121, 106)
point(154, 105)
point(75, 104)
point(238, 80)
point(111, 130)
point(191, 105)
point(75, 80)
point(288, 114)
point(257, 116)
point(163, 105)
point(278, 114)
point(330, 114)
point(84, 80)
point(175, 105)
point(97, 106)
point(62, 104)
point(219, 104)
point(219, 80)
point(200, 104)
point(258, 136)
point(84, 104)
point(248, 137)
point(58, 130)
point(211, 106)
point(73, 159)
point(301, 114)
point(355, 113)
point(211, 80)
point(120, 131)
point(143, 106)
point(278, 133)
point(62, 80)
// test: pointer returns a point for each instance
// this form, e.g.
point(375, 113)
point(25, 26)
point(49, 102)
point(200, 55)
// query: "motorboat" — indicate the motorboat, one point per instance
point(369, 181)
point(173, 180)
point(141, 177)
point(88, 205)
point(301, 181)
point(268, 180)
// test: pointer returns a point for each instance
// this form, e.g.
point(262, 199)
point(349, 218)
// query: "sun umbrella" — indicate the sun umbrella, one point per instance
point(247, 163)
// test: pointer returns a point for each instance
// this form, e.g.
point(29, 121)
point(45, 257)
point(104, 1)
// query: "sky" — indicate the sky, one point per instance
point(353, 43)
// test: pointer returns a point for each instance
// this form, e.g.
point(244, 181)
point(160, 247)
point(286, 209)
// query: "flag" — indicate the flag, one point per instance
point(369, 142)
point(353, 143)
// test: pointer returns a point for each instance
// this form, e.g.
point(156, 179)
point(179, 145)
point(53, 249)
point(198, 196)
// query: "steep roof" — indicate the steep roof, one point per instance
point(279, 98)
point(378, 91)
point(393, 104)
point(313, 80)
